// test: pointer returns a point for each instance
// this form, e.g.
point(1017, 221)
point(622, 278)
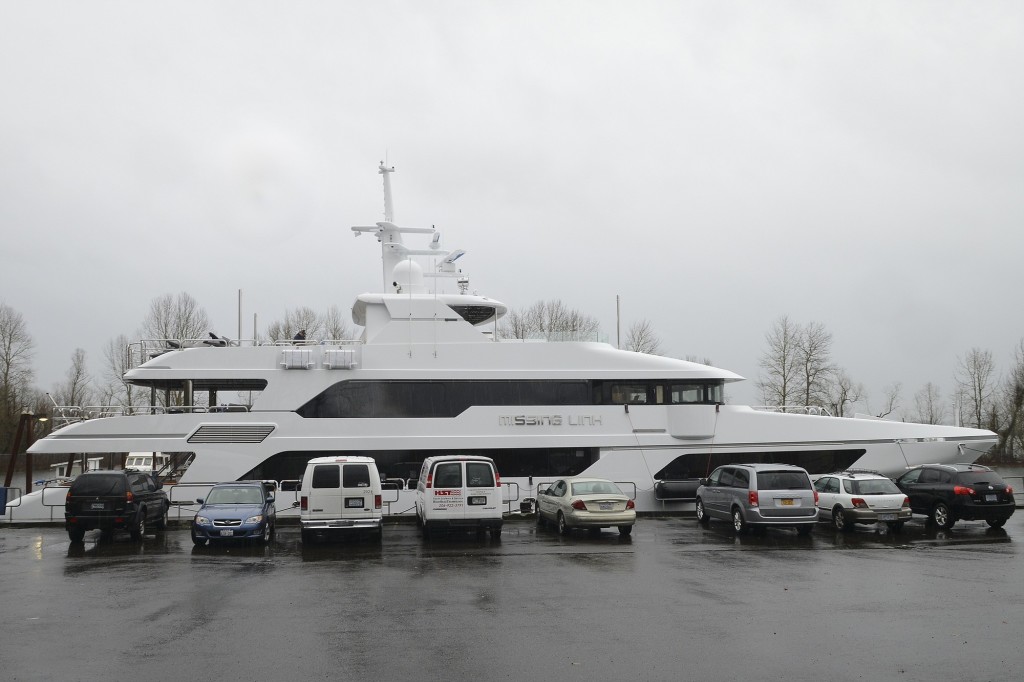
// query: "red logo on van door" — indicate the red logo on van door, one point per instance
point(450, 493)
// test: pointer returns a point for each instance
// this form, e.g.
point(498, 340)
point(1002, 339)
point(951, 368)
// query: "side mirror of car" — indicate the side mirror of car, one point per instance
point(703, 481)
point(270, 499)
point(295, 503)
point(199, 500)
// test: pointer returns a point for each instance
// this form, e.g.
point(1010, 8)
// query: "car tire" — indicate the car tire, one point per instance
point(426, 531)
point(941, 516)
point(563, 527)
point(161, 523)
point(739, 524)
point(307, 537)
point(839, 521)
point(996, 523)
point(379, 536)
point(540, 518)
point(265, 535)
point(804, 530)
point(496, 533)
point(895, 526)
point(702, 513)
point(138, 529)
point(625, 530)
point(76, 534)
point(198, 541)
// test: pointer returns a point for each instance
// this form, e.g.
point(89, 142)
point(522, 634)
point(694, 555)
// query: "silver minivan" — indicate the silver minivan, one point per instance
point(758, 496)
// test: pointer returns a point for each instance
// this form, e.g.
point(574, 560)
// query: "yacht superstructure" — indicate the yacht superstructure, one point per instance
point(432, 375)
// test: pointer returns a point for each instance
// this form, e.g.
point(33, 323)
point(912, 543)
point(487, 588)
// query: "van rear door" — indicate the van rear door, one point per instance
point(325, 498)
point(356, 492)
point(445, 499)
point(483, 497)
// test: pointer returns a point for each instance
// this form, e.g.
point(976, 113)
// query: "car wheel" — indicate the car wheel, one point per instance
point(563, 527)
point(739, 524)
point(307, 537)
point(379, 537)
point(804, 530)
point(540, 518)
point(426, 531)
point(996, 523)
point(942, 517)
point(895, 526)
point(496, 533)
point(702, 514)
point(198, 541)
point(839, 519)
point(625, 530)
point(139, 529)
point(78, 534)
point(161, 523)
point(265, 535)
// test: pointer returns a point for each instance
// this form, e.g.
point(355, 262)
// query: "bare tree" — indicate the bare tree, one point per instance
point(16, 349)
point(175, 317)
point(335, 325)
point(975, 381)
point(76, 389)
point(891, 399)
point(843, 393)
point(553, 320)
point(642, 339)
point(814, 363)
point(930, 409)
point(115, 390)
point(779, 382)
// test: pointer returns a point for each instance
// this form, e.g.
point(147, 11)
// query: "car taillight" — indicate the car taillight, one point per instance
point(962, 490)
point(859, 503)
point(1009, 490)
point(752, 498)
point(630, 505)
point(67, 498)
point(430, 480)
point(497, 480)
point(304, 503)
point(580, 505)
point(815, 498)
point(129, 496)
point(906, 501)
point(376, 501)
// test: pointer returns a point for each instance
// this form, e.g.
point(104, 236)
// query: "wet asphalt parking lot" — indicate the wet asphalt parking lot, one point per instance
point(673, 602)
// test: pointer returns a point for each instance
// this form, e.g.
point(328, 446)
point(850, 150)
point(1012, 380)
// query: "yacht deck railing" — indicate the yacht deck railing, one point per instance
point(814, 410)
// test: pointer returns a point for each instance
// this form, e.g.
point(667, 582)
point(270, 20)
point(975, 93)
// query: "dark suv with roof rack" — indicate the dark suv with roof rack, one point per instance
point(946, 493)
point(115, 500)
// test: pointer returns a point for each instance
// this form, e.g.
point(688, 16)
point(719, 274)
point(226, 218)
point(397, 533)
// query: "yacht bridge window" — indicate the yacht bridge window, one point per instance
point(657, 392)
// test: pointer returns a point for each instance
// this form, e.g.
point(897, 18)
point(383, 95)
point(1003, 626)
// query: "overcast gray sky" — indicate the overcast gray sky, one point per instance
point(715, 164)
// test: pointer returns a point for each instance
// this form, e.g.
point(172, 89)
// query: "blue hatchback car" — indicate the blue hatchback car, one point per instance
point(235, 511)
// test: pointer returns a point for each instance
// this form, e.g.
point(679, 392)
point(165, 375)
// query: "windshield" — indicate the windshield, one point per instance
point(235, 496)
point(871, 486)
point(595, 488)
point(783, 480)
point(98, 484)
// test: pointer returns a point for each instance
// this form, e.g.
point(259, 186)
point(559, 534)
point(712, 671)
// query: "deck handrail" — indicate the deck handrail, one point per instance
point(813, 410)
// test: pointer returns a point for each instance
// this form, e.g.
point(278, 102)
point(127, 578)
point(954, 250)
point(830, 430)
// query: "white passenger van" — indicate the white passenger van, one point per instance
point(459, 492)
point(340, 495)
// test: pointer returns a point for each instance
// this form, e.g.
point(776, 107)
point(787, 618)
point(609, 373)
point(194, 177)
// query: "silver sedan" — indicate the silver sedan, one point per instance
point(579, 502)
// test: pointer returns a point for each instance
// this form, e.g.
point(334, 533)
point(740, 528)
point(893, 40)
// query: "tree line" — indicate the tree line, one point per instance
point(797, 370)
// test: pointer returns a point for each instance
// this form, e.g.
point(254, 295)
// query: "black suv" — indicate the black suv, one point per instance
point(949, 492)
point(111, 500)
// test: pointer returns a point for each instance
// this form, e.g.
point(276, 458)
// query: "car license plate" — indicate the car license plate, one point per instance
point(787, 501)
point(97, 505)
point(886, 517)
point(479, 499)
point(605, 506)
point(991, 498)
point(227, 533)
point(354, 502)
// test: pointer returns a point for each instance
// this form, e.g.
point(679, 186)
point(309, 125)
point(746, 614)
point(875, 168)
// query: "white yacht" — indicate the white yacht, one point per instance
point(430, 375)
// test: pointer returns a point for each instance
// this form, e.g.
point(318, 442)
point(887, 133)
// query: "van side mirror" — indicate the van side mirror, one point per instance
point(199, 500)
point(295, 504)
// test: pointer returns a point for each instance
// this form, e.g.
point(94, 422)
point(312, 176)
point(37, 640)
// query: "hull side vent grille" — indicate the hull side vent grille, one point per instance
point(228, 433)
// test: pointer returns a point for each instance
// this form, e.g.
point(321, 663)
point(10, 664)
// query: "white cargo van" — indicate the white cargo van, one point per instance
point(340, 495)
point(459, 492)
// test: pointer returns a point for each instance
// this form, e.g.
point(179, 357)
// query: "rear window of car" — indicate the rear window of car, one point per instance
point(782, 480)
point(479, 474)
point(448, 475)
point(98, 484)
point(326, 476)
point(356, 476)
point(979, 477)
point(871, 486)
